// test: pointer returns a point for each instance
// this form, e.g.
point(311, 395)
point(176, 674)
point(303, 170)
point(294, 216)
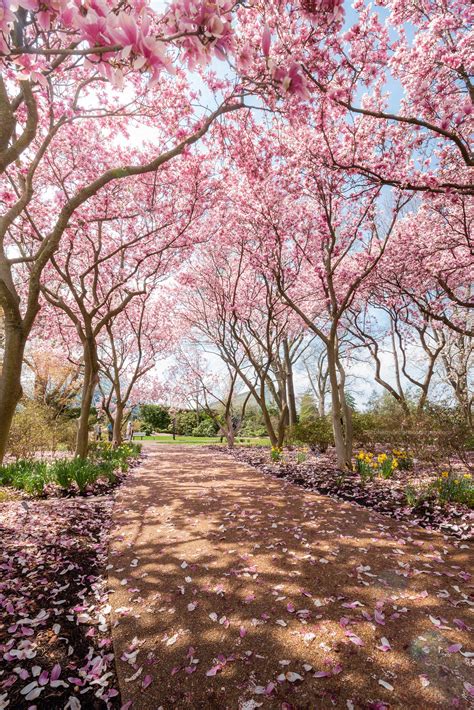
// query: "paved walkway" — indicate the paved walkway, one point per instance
point(235, 590)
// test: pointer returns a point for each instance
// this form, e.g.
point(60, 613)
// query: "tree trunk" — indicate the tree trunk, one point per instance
point(118, 422)
point(229, 432)
point(341, 415)
point(91, 378)
point(282, 426)
point(290, 385)
point(10, 378)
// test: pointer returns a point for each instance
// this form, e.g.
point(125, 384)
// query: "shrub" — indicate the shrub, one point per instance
point(31, 430)
point(316, 433)
point(154, 416)
point(205, 428)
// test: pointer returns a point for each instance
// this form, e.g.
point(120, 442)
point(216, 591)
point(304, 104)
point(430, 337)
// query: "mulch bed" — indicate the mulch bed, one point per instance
point(319, 473)
point(55, 642)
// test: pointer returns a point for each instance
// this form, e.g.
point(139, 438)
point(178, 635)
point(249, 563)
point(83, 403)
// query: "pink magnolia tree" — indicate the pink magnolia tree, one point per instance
point(397, 76)
point(317, 235)
point(118, 250)
point(230, 306)
point(79, 82)
point(133, 344)
point(430, 262)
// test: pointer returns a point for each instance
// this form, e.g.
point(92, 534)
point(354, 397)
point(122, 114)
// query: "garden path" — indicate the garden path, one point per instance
point(232, 589)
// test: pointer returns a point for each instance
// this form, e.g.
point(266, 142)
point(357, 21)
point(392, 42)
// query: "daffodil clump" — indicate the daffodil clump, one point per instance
point(369, 465)
point(404, 458)
point(455, 488)
point(276, 453)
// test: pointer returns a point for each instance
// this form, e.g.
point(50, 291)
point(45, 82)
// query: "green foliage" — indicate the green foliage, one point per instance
point(455, 488)
point(185, 423)
point(83, 473)
point(253, 424)
point(154, 417)
point(276, 454)
point(417, 496)
point(316, 433)
point(61, 472)
point(108, 458)
point(205, 428)
point(33, 476)
point(367, 465)
point(308, 408)
point(29, 476)
point(404, 458)
point(301, 457)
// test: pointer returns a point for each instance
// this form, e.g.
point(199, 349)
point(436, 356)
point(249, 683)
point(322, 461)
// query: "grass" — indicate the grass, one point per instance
point(205, 440)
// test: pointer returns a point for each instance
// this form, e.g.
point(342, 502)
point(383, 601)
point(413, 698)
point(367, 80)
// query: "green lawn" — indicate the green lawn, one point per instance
point(204, 440)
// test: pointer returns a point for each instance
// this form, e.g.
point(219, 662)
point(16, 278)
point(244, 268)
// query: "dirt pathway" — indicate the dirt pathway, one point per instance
point(235, 590)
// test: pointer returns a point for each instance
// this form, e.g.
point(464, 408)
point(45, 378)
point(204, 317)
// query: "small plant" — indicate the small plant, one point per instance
point(30, 476)
point(387, 465)
point(61, 473)
point(365, 465)
point(368, 466)
point(404, 458)
point(83, 473)
point(411, 495)
point(276, 453)
point(455, 488)
point(301, 457)
point(316, 433)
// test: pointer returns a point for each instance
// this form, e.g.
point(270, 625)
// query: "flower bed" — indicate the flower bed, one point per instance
point(70, 476)
point(434, 502)
point(55, 645)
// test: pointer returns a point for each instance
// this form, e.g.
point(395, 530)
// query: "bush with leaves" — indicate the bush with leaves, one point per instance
point(205, 428)
point(155, 416)
point(316, 433)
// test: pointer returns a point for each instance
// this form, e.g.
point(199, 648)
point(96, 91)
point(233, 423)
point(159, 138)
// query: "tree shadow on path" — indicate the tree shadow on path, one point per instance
point(225, 579)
